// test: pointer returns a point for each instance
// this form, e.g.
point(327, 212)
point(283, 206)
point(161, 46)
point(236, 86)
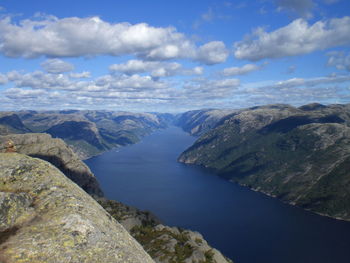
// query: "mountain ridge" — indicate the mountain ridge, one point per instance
point(299, 155)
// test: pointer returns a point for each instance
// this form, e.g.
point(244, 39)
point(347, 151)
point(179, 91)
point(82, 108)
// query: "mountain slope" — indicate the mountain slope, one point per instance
point(92, 132)
point(197, 122)
point(11, 123)
point(300, 155)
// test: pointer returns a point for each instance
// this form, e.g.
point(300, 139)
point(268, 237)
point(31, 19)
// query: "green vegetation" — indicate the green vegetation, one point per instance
point(301, 157)
point(156, 243)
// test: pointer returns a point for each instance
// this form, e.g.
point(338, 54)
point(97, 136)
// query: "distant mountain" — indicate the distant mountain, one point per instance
point(300, 155)
point(11, 123)
point(87, 132)
point(197, 122)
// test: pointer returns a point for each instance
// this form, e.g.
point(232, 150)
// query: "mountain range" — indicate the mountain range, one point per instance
point(299, 155)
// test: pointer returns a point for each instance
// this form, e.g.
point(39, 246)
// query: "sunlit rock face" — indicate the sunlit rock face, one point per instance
point(45, 217)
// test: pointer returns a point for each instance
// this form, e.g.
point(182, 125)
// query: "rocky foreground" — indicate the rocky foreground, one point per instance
point(45, 217)
point(57, 153)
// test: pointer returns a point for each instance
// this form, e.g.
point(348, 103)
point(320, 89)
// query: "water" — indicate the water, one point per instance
point(245, 225)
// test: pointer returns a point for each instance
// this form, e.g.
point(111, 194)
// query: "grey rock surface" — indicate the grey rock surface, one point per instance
point(45, 217)
point(55, 151)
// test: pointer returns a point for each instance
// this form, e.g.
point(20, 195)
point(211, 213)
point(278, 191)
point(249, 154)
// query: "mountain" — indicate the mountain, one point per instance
point(89, 133)
point(11, 123)
point(47, 218)
point(197, 122)
point(300, 155)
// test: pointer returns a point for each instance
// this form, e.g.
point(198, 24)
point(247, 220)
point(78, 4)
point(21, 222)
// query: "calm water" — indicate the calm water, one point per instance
point(245, 225)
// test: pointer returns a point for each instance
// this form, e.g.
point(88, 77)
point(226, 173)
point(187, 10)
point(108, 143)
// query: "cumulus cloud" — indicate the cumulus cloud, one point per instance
point(298, 82)
point(73, 36)
point(3, 79)
point(56, 66)
point(81, 75)
point(339, 59)
point(156, 68)
point(297, 91)
point(205, 89)
point(39, 80)
point(18, 93)
point(39, 90)
point(212, 53)
point(294, 39)
point(301, 7)
point(235, 71)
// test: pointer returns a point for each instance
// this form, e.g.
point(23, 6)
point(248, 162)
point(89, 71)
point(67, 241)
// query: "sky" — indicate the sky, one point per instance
point(172, 56)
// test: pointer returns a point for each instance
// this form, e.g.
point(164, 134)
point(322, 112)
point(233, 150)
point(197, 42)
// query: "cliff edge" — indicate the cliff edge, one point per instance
point(56, 152)
point(47, 218)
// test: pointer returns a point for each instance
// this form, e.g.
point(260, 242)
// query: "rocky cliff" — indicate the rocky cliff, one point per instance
point(47, 218)
point(163, 243)
point(59, 154)
point(300, 155)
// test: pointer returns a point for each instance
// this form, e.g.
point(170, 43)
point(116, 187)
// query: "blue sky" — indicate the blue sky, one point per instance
point(172, 56)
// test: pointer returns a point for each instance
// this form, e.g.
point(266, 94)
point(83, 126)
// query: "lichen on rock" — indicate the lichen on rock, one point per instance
point(45, 217)
point(56, 152)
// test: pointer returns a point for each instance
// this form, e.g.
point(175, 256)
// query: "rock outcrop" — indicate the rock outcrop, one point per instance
point(300, 155)
point(59, 154)
point(45, 217)
point(163, 243)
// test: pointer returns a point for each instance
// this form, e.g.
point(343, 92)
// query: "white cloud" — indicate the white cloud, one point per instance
point(3, 79)
point(39, 80)
point(294, 39)
point(73, 36)
point(81, 75)
point(297, 91)
point(339, 60)
point(205, 89)
point(300, 7)
point(56, 66)
point(18, 93)
point(301, 82)
point(235, 71)
point(212, 53)
point(155, 68)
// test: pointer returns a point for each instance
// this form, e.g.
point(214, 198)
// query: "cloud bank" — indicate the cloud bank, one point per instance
point(73, 37)
point(297, 38)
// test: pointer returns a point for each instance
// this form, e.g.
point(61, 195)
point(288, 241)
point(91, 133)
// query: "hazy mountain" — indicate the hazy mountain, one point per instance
point(198, 122)
point(11, 123)
point(87, 132)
